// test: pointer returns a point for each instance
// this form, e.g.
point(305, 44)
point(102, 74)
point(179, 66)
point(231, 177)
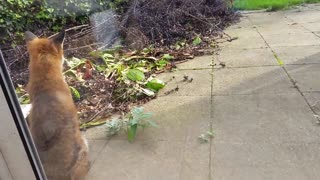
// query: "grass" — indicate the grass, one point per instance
point(271, 5)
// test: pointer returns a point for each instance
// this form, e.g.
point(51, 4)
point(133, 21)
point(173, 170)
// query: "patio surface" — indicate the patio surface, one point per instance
point(262, 107)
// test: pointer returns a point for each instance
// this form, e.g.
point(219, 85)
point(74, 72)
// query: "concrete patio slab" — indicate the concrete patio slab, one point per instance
point(200, 85)
point(255, 134)
point(313, 27)
point(268, 18)
point(202, 62)
point(235, 57)
point(297, 39)
point(179, 118)
point(298, 54)
point(273, 163)
point(279, 29)
point(268, 118)
point(174, 144)
point(243, 23)
point(95, 148)
point(121, 160)
point(314, 100)
point(245, 35)
point(305, 76)
point(307, 16)
point(251, 80)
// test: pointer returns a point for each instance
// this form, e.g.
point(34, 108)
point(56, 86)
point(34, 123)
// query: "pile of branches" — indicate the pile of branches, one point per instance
point(166, 21)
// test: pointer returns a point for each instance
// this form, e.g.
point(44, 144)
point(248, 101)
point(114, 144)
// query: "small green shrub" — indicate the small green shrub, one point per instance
point(135, 119)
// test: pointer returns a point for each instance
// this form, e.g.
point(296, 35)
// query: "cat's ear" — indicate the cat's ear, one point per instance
point(59, 38)
point(29, 36)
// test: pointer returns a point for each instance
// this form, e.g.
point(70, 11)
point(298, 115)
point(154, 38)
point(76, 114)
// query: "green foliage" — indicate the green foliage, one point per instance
point(135, 119)
point(113, 126)
point(119, 5)
point(205, 137)
point(75, 93)
point(135, 75)
point(132, 71)
point(271, 5)
point(180, 44)
point(155, 84)
point(197, 41)
point(23, 96)
point(91, 124)
point(16, 16)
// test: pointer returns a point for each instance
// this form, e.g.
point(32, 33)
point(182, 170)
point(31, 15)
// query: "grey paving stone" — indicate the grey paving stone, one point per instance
point(298, 54)
point(251, 80)
point(95, 148)
point(268, 18)
point(268, 118)
point(234, 57)
point(314, 100)
point(254, 161)
point(305, 16)
point(297, 39)
point(257, 135)
point(201, 62)
point(179, 118)
point(141, 160)
point(97, 133)
point(306, 76)
point(282, 28)
point(248, 38)
point(200, 85)
point(313, 27)
point(156, 160)
point(243, 23)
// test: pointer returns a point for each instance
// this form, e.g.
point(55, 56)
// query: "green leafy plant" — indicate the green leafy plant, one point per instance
point(155, 84)
point(113, 127)
point(205, 137)
point(137, 118)
point(197, 41)
point(133, 70)
point(135, 75)
point(22, 94)
point(130, 124)
point(75, 93)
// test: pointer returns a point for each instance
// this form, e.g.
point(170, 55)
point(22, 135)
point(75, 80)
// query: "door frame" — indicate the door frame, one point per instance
point(20, 134)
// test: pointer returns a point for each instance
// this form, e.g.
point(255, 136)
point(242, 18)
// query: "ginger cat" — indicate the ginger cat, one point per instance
point(53, 120)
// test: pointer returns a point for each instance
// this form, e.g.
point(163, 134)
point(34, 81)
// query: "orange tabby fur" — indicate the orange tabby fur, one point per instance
point(53, 120)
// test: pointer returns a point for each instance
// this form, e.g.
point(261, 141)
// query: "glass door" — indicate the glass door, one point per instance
point(18, 156)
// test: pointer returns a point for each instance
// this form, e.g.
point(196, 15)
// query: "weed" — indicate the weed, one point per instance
point(135, 119)
point(205, 137)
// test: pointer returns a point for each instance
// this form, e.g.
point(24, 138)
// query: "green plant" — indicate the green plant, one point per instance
point(205, 137)
point(135, 119)
point(22, 94)
point(75, 93)
point(197, 41)
point(113, 127)
point(133, 71)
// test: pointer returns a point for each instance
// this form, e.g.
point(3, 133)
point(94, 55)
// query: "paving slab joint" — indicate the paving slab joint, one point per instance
point(294, 83)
